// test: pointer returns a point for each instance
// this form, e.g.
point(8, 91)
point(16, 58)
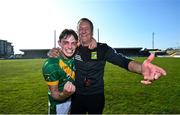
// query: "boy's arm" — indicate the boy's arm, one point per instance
point(69, 89)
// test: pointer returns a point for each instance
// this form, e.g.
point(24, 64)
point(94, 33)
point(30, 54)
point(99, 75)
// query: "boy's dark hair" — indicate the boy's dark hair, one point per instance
point(67, 32)
point(87, 20)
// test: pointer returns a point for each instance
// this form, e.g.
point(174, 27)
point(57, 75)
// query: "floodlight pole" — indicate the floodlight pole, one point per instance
point(98, 34)
point(153, 40)
point(54, 38)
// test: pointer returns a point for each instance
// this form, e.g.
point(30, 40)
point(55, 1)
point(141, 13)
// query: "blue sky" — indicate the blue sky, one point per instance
point(29, 24)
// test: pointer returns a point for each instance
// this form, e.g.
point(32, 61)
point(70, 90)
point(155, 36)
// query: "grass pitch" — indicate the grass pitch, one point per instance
point(23, 89)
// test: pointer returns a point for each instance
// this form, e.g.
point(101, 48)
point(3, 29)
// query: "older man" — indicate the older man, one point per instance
point(90, 63)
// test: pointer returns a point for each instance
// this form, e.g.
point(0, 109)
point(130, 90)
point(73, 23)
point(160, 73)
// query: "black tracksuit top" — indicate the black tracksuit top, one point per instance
point(90, 66)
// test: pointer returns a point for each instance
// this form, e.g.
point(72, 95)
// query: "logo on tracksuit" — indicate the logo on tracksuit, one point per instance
point(93, 55)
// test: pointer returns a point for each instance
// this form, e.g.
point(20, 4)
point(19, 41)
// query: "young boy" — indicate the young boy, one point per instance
point(59, 73)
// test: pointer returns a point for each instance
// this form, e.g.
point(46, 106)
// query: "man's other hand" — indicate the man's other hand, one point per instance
point(53, 53)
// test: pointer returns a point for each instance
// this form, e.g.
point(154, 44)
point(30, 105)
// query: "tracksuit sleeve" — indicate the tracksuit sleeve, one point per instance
point(117, 58)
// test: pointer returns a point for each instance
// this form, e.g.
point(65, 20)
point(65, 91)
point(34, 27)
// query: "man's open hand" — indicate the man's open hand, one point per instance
point(150, 71)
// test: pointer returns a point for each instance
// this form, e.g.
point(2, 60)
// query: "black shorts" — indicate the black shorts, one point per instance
point(91, 104)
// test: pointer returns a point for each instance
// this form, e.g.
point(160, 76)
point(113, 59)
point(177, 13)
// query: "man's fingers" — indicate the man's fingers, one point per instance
point(91, 46)
point(162, 71)
point(157, 76)
point(54, 52)
point(149, 75)
point(146, 82)
point(150, 58)
point(58, 48)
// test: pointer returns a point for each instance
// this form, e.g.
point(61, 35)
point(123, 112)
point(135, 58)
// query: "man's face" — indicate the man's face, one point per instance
point(84, 31)
point(68, 46)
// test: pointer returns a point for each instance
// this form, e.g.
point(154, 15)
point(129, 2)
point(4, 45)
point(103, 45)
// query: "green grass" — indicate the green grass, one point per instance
point(125, 94)
point(23, 90)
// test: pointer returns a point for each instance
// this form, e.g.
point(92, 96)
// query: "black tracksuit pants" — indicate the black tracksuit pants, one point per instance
point(88, 104)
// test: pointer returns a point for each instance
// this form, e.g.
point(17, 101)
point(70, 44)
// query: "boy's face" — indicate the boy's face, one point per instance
point(68, 46)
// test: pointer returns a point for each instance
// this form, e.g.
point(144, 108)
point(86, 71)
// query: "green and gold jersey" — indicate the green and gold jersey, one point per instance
point(57, 71)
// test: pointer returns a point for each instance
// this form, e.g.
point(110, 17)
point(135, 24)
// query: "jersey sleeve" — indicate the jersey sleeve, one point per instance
point(117, 58)
point(50, 73)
